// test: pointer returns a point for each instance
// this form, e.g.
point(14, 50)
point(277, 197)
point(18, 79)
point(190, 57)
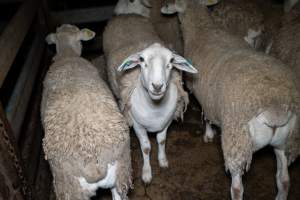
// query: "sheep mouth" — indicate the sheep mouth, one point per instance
point(156, 95)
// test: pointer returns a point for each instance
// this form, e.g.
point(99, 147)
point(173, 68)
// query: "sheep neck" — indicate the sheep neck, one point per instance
point(154, 116)
point(65, 52)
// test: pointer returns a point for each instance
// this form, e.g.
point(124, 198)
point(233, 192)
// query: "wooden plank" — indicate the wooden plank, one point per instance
point(13, 36)
point(17, 105)
point(86, 15)
point(10, 1)
point(31, 140)
point(11, 169)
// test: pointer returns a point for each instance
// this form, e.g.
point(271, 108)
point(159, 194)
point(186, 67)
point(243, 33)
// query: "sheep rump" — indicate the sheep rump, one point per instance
point(116, 51)
point(78, 123)
point(229, 73)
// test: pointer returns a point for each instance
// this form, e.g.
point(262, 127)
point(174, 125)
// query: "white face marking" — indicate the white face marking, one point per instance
point(155, 70)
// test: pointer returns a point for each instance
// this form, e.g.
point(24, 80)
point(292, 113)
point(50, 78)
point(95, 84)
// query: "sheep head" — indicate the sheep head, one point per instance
point(156, 63)
point(69, 36)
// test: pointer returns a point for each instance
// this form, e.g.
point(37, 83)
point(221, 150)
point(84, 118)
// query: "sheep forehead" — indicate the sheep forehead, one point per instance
point(157, 51)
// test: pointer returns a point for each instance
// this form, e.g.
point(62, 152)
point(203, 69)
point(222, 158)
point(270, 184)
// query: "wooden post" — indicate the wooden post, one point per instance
point(18, 102)
point(13, 36)
point(13, 184)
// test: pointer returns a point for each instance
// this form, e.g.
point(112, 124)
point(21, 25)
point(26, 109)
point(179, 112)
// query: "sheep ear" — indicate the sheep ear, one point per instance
point(183, 64)
point(86, 34)
point(51, 38)
point(130, 62)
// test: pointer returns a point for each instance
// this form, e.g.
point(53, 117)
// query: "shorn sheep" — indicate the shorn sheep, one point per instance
point(251, 96)
point(86, 137)
point(144, 77)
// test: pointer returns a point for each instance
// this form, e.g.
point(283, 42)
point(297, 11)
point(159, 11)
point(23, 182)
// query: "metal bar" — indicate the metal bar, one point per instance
point(86, 15)
point(17, 105)
point(13, 36)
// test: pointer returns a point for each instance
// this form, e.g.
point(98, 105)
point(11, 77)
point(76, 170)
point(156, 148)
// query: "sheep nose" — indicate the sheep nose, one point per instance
point(157, 87)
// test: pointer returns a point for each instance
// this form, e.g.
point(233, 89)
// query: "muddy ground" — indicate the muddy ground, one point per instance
point(196, 169)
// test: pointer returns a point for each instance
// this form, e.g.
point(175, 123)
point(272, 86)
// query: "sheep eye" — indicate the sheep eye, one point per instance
point(171, 60)
point(142, 59)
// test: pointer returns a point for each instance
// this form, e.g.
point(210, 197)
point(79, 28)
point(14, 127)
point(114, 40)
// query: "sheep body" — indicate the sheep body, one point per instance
point(84, 130)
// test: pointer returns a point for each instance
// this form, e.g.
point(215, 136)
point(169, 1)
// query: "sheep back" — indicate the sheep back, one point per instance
point(167, 27)
point(237, 17)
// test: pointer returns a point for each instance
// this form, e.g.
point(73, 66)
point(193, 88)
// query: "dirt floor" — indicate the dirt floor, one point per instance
point(196, 169)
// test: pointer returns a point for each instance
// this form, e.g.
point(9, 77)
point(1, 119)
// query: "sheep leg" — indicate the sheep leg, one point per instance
point(209, 133)
point(161, 140)
point(237, 188)
point(115, 194)
point(282, 175)
point(141, 134)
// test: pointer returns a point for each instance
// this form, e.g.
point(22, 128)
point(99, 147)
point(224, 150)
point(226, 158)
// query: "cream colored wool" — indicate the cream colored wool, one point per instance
point(234, 84)
point(100, 64)
point(167, 27)
point(84, 130)
point(124, 36)
point(237, 17)
point(286, 43)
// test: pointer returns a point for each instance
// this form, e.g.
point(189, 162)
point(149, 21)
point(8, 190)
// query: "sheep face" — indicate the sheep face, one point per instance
point(140, 7)
point(69, 36)
point(156, 63)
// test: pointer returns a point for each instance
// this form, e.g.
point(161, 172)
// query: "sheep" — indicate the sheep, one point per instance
point(251, 96)
point(242, 19)
point(286, 44)
point(86, 137)
point(152, 95)
point(167, 27)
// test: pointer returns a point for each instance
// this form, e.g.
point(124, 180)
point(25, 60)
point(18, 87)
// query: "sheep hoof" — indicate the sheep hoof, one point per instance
point(163, 163)
point(146, 176)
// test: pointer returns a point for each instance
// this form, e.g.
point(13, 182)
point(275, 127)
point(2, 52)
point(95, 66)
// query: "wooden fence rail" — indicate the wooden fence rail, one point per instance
point(13, 36)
